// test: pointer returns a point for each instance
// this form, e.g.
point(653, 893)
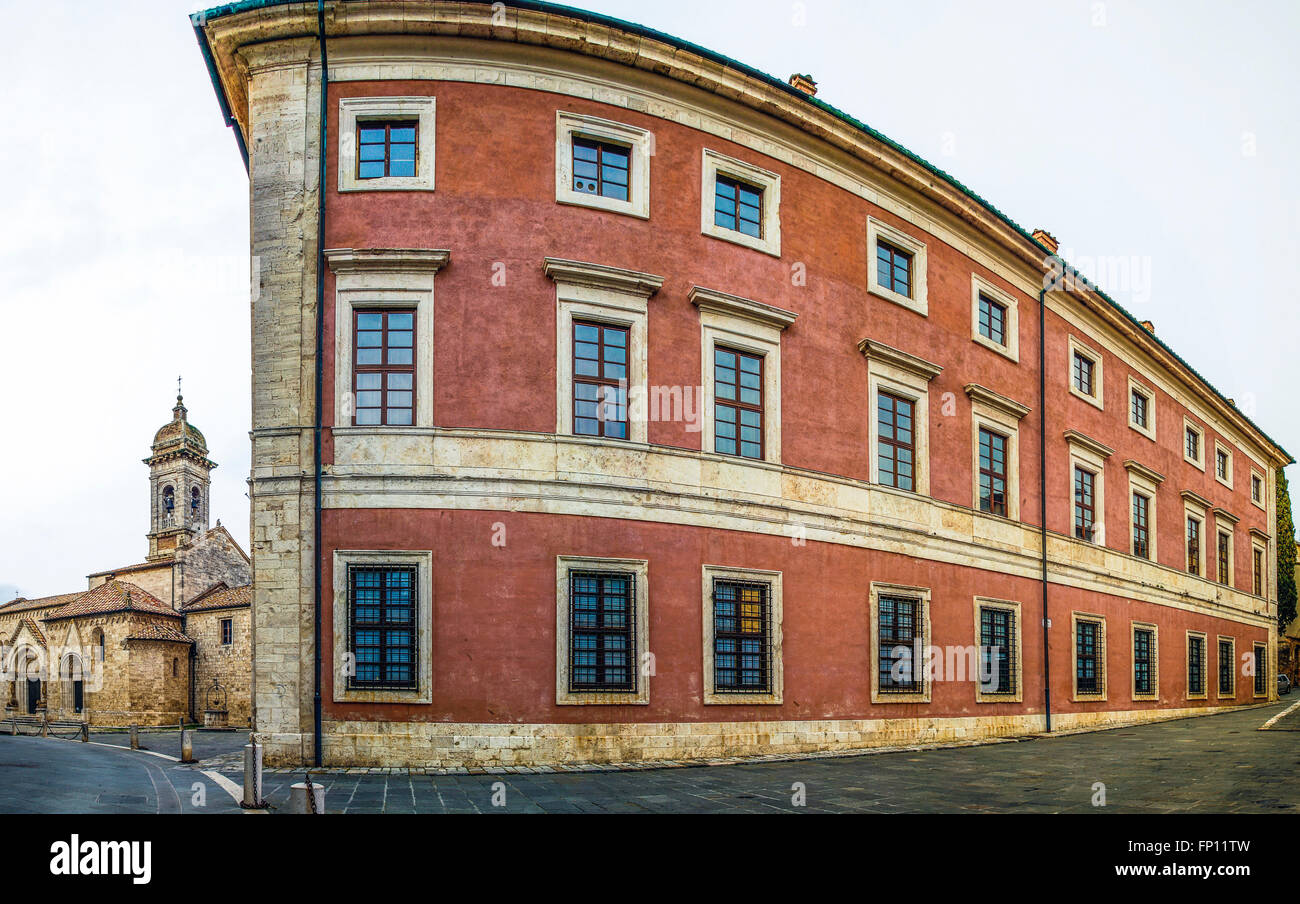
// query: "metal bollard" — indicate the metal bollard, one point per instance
point(300, 803)
point(187, 746)
point(85, 732)
point(135, 737)
point(253, 775)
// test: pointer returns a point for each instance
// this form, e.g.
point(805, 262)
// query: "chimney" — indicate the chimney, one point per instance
point(1047, 240)
point(804, 83)
point(1149, 327)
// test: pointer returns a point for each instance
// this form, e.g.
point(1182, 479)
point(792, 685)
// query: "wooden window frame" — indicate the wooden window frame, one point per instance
point(1257, 479)
point(734, 187)
point(227, 629)
point(1088, 524)
point(1141, 525)
point(1098, 656)
point(894, 254)
point(992, 473)
point(737, 405)
point(1259, 652)
point(1195, 553)
point(1198, 666)
point(571, 127)
point(1078, 350)
point(1223, 565)
point(357, 112)
point(894, 443)
point(1231, 671)
point(1152, 664)
point(1189, 428)
point(603, 147)
point(983, 290)
point(716, 166)
point(602, 382)
point(388, 126)
point(384, 369)
point(1224, 453)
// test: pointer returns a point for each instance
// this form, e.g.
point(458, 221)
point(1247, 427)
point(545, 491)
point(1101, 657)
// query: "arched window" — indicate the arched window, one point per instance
point(98, 641)
point(169, 500)
point(194, 502)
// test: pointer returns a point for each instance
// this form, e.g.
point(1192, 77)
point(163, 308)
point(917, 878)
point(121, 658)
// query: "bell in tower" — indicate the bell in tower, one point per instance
point(179, 483)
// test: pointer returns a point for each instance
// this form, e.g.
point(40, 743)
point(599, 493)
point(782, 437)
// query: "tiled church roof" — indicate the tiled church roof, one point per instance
point(46, 602)
point(156, 631)
point(115, 596)
point(219, 596)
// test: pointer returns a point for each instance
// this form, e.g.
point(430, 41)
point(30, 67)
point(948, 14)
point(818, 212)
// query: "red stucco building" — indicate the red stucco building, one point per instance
point(665, 412)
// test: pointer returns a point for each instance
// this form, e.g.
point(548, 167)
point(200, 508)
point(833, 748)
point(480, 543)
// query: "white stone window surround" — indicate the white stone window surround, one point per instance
point(423, 561)
point(1155, 659)
point(1078, 347)
point(639, 142)
point(716, 164)
point(999, 414)
point(1197, 508)
point(906, 376)
point(922, 595)
point(1261, 657)
point(354, 111)
point(608, 295)
point(368, 279)
point(1136, 385)
point(981, 286)
point(1205, 665)
point(1232, 655)
point(919, 300)
point(1261, 502)
point(564, 565)
point(1012, 606)
point(748, 326)
point(1259, 542)
point(1226, 523)
point(1090, 455)
point(774, 580)
point(1219, 447)
point(1199, 461)
point(1102, 652)
point(1146, 482)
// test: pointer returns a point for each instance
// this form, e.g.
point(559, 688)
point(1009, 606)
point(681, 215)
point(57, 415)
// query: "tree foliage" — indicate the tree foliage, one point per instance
point(1286, 589)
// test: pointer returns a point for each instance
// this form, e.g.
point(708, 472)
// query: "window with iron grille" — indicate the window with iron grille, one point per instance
point(1088, 665)
point(601, 168)
point(1261, 670)
point(602, 632)
point(993, 320)
point(1225, 545)
point(1138, 409)
point(386, 149)
point(896, 446)
point(1143, 661)
point(894, 268)
point(1083, 373)
point(998, 651)
point(1193, 449)
point(738, 207)
point(993, 472)
point(1193, 546)
point(1141, 526)
point(738, 403)
point(382, 607)
point(227, 631)
point(600, 380)
point(1227, 667)
point(1221, 464)
point(900, 635)
point(1195, 666)
point(742, 637)
point(384, 368)
point(1257, 561)
point(1085, 505)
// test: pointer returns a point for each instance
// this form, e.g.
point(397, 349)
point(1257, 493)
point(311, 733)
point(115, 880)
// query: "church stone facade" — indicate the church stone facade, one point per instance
point(151, 643)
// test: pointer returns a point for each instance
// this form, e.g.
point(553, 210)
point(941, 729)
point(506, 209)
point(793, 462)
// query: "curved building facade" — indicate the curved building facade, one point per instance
point(666, 412)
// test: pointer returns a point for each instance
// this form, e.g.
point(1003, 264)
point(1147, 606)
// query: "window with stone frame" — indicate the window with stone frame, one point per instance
point(600, 379)
point(1085, 505)
point(1193, 546)
point(738, 410)
point(387, 149)
point(382, 631)
point(1143, 661)
point(998, 651)
point(602, 632)
point(894, 268)
point(901, 631)
point(227, 631)
point(1088, 662)
point(993, 472)
point(742, 637)
point(1227, 668)
point(896, 453)
point(1141, 526)
point(383, 363)
point(1195, 666)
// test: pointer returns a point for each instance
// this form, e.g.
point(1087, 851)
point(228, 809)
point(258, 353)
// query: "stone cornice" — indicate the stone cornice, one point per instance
point(878, 351)
point(722, 303)
point(1197, 500)
point(1263, 535)
point(1225, 515)
point(986, 396)
point(1075, 438)
point(1143, 471)
point(598, 276)
point(386, 260)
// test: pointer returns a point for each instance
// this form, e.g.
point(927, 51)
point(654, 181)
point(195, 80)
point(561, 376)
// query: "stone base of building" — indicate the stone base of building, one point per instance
point(435, 745)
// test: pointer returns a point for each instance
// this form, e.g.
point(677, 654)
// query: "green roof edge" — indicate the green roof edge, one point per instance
point(243, 6)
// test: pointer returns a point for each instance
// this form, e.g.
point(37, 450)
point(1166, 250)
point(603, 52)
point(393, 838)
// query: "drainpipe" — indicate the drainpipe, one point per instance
point(1042, 495)
point(320, 376)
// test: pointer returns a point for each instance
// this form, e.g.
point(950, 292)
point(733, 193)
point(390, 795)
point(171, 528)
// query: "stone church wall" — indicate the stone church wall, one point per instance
point(229, 665)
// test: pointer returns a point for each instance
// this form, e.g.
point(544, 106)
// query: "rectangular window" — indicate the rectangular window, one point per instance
point(602, 641)
point(1084, 505)
point(1083, 371)
point(382, 629)
point(1261, 670)
point(1143, 662)
point(993, 472)
point(896, 447)
point(998, 651)
point(1257, 571)
point(383, 359)
point(1138, 409)
point(1195, 666)
point(738, 207)
point(387, 149)
point(900, 634)
point(1225, 547)
point(1193, 546)
point(1141, 532)
point(600, 380)
point(600, 168)
point(894, 268)
point(993, 320)
point(1256, 488)
point(227, 631)
point(742, 637)
point(1087, 659)
point(1193, 449)
point(1221, 464)
point(738, 403)
point(1227, 666)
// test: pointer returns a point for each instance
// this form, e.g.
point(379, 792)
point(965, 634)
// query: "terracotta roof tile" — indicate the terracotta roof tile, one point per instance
point(115, 596)
point(35, 629)
point(220, 596)
point(127, 569)
point(46, 602)
point(156, 631)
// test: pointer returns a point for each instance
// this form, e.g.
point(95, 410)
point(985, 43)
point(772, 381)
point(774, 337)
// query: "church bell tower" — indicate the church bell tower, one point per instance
point(179, 485)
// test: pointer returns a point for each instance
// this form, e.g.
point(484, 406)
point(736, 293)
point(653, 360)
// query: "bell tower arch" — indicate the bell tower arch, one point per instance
point(179, 485)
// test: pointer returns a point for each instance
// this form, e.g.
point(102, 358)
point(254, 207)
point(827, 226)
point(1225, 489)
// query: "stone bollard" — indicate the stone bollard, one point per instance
point(135, 737)
point(45, 726)
point(253, 775)
point(13, 725)
point(85, 732)
point(300, 803)
point(187, 746)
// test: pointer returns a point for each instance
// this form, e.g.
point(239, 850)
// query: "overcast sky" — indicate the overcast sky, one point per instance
point(1158, 141)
